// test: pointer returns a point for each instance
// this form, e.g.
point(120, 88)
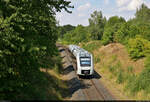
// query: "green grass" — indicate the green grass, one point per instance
point(137, 83)
point(120, 77)
point(130, 69)
point(97, 59)
point(114, 58)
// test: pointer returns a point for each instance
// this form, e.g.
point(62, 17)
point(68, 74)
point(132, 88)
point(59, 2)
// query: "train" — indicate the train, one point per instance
point(84, 60)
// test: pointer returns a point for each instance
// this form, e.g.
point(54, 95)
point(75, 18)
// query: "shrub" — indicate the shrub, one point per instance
point(125, 32)
point(138, 47)
point(77, 35)
point(92, 46)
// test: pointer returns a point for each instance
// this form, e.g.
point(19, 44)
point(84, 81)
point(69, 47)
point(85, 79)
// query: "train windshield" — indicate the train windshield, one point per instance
point(85, 61)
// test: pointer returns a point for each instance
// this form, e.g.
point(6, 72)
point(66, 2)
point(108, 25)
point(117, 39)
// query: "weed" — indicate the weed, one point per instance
point(130, 69)
point(131, 84)
point(114, 58)
point(140, 82)
point(120, 78)
point(97, 59)
point(111, 68)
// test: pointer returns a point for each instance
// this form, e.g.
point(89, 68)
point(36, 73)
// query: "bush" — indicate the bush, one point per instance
point(79, 34)
point(125, 32)
point(138, 47)
point(92, 46)
point(108, 36)
point(113, 24)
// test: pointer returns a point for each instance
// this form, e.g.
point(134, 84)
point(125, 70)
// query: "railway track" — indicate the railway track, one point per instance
point(93, 89)
point(92, 93)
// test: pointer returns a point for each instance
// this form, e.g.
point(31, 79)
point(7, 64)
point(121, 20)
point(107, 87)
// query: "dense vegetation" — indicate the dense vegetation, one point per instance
point(29, 31)
point(28, 34)
point(134, 34)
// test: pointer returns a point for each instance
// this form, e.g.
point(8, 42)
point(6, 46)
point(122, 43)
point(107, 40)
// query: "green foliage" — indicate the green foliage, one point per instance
point(130, 69)
point(97, 59)
point(108, 36)
point(131, 83)
point(125, 32)
point(92, 45)
point(112, 69)
point(96, 25)
point(79, 34)
point(64, 29)
point(140, 82)
point(27, 36)
point(138, 47)
point(120, 77)
point(144, 29)
point(143, 14)
point(114, 58)
point(112, 25)
point(115, 69)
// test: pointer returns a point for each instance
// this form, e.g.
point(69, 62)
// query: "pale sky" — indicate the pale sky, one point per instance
point(83, 8)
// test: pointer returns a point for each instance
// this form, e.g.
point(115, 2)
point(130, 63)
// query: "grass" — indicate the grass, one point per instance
point(122, 71)
point(139, 84)
point(130, 69)
point(135, 84)
point(97, 58)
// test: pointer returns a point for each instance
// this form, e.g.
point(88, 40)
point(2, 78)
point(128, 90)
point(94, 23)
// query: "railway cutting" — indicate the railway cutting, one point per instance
point(82, 86)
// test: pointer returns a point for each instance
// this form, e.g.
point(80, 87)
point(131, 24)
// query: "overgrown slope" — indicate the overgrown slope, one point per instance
point(127, 75)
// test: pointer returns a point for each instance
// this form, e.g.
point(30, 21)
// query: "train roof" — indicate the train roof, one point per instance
point(82, 52)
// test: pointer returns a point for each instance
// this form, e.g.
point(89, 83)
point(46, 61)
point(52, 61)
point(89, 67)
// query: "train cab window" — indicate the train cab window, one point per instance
point(84, 61)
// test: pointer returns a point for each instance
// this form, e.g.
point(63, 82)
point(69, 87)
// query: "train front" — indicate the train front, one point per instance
point(85, 63)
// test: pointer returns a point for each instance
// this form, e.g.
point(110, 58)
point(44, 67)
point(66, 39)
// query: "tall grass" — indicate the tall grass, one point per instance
point(97, 58)
point(141, 81)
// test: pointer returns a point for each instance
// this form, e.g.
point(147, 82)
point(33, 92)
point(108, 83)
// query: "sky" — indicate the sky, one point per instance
point(84, 8)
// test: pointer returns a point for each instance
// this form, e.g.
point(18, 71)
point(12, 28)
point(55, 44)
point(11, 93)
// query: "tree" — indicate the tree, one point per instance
point(126, 32)
point(79, 34)
point(143, 14)
point(27, 35)
point(111, 27)
point(64, 29)
point(96, 25)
